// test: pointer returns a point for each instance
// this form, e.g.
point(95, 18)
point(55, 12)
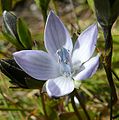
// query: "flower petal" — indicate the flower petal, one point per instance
point(60, 86)
point(37, 64)
point(90, 68)
point(85, 44)
point(56, 35)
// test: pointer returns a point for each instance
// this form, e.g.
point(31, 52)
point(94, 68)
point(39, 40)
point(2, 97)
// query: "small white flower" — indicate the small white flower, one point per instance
point(63, 64)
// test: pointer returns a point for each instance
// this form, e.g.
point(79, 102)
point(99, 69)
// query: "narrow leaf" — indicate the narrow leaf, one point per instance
point(11, 70)
point(9, 23)
point(12, 40)
point(24, 34)
point(18, 76)
point(9, 29)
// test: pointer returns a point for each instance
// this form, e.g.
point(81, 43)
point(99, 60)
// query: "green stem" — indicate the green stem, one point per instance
point(82, 104)
point(115, 74)
point(107, 65)
point(75, 108)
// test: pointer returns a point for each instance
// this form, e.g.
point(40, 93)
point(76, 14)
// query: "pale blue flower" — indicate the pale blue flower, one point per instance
point(62, 64)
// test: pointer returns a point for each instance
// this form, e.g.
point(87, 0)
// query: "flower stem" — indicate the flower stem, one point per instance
point(117, 77)
point(107, 65)
point(82, 104)
point(75, 108)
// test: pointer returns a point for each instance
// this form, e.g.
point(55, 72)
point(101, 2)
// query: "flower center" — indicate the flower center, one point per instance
point(64, 61)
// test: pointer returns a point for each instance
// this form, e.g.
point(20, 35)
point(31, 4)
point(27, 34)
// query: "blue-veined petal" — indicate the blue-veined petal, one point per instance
point(90, 68)
point(85, 44)
point(59, 86)
point(37, 64)
point(56, 35)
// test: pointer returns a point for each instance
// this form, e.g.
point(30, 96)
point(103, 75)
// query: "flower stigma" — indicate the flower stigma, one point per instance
point(64, 60)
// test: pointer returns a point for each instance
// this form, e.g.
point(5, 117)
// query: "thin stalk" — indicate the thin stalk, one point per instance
point(117, 77)
point(82, 104)
point(75, 108)
point(108, 64)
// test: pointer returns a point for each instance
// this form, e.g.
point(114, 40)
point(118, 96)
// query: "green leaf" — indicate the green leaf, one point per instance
point(9, 29)
point(24, 34)
point(13, 40)
point(9, 23)
point(11, 70)
point(18, 76)
point(33, 83)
